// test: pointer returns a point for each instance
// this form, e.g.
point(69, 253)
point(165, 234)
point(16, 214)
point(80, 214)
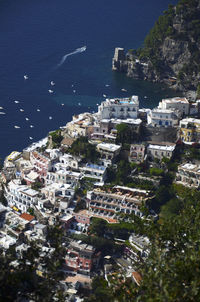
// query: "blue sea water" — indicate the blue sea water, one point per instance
point(34, 37)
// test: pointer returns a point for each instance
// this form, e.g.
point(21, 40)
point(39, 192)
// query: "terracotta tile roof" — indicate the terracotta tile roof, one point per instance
point(89, 214)
point(78, 277)
point(137, 278)
point(27, 216)
point(67, 141)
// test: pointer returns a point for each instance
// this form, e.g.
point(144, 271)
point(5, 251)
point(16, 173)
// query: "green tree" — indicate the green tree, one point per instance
point(56, 138)
point(83, 148)
point(125, 134)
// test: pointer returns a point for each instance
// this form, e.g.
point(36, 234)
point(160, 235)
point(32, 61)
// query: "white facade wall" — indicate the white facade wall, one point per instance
point(19, 197)
point(162, 118)
point(119, 108)
point(98, 173)
point(158, 151)
point(180, 104)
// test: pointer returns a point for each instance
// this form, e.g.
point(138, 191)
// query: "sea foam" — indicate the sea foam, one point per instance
point(78, 50)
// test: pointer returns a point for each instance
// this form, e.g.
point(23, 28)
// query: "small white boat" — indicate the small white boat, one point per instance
point(1, 112)
point(145, 97)
point(31, 126)
point(97, 104)
point(22, 110)
point(74, 91)
point(30, 137)
point(50, 117)
point(16, 102)
point(79, 104)
point(27, 119)
point(123, 89)
point(52, 83)
point(107, 85)
point(25, 77)
point(50, 91)
point(62, 104)
point(38, 110)
point(1, 108)
point(104, 95)
point(17, 127)
point(72, 85)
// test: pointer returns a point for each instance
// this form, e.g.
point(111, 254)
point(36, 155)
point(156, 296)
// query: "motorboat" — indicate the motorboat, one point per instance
point(31, 126)
point(123, 89)
point(27, 119)
point(22, 110)
point(16, 102)
point(17, 127)
point(50, 117)
point(50, 91)
point(25, 77)
point(52, 83)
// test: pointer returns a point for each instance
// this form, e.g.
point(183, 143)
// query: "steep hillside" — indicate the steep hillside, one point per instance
point(171, 49)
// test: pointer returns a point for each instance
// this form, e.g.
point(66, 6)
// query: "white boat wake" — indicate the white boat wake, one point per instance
point(78, 50)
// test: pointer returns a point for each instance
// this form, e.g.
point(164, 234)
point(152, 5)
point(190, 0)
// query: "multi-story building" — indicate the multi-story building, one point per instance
point(108, 152)
point(137, 153)
point(155, 150)
point(188, 175)
point(81, 258)
point(68, 162)
point(81, 125)
point(41, 163)
point(62, 177)
point(122, 108)
point(190, 130)
point(20, 197)
point(178, 103)
point(163, 117)
point(55, 191)
point(93, 171)
point(116, 200)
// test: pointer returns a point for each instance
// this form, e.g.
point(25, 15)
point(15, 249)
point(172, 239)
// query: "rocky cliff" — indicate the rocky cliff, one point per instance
point(171, 52)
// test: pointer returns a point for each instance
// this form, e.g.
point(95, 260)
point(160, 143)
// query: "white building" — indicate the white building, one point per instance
point(66, 161)
point(62, 177)
point(188, 175)
point(108, 151)
point(163, 117)
point(178, 103)
point(95, 172)
point(56, 191)
point(160, 150)
point(21, 197)
point(122, 108)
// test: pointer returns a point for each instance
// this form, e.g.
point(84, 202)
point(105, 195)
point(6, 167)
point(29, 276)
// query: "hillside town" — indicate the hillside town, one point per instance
point(90, 179)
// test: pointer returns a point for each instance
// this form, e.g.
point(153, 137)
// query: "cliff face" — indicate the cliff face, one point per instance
point(171, 52)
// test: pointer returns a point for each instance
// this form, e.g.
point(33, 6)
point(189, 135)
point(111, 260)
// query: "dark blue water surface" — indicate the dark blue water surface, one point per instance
point(36, 34)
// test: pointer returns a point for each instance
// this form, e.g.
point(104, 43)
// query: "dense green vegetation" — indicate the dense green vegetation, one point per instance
point(83, 148)
point(125, 134)
point(187, 14)
point(171, 272)
point(22, 282)
point(56, 138)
